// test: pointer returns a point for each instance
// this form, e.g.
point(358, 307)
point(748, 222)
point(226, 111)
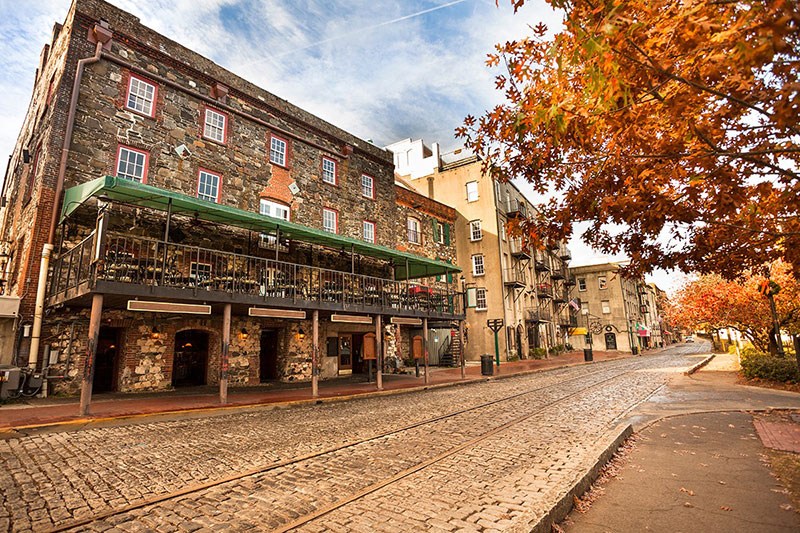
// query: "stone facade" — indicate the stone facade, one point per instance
point(172, 140)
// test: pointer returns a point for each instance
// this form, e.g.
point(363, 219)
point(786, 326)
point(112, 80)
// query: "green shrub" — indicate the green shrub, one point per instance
point(763, 366)
point(538, 353)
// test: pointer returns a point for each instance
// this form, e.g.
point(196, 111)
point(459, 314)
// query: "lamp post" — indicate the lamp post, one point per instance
point(588, 355)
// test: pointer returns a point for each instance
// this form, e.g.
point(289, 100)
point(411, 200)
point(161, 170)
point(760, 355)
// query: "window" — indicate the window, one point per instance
point(277, 151)
point(472, 191)
point(330, 220)
point(141, 96)
point(480, 299)
point(438, 232)
point(606, 307)
point(208, 186)
point(477, 265)
point(414, 235)
point(475, 231)
point(367, 186)
point(199, 271)
point(132, 164)
point(215, 126)
point(581, 284)
point(274, 209)
point(601, 282)
point(369, 231)
point(31, 178)
point(329, 171)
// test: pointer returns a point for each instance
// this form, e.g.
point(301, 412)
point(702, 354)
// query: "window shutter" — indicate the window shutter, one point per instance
point(447, 234)
point(435, 231)
point(449, 274)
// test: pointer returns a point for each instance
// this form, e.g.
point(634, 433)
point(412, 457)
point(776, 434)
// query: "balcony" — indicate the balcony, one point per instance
point(569, 281)
point(132, 267)
point(558, 273)
point(564, 253)
point(514, 277)
point(541, 261)
point(544, 290)
point(519, 250)
point(538, 315)
point(516, 209)
point(560, 296)
point(570, 321)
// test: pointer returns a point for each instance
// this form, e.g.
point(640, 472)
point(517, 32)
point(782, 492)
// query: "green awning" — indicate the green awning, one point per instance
point(142, 195)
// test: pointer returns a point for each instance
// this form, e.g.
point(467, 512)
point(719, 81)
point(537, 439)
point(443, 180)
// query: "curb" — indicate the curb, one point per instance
point(564, 505)
point(16, 431)
point(699, 365)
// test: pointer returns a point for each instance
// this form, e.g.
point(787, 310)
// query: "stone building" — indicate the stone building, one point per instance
point(617, 313)
point(193, 228)
point(528, 289)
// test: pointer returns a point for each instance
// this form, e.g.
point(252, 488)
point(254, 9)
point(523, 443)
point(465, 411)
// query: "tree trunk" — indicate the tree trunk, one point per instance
point(773, 347)
point(796, 339)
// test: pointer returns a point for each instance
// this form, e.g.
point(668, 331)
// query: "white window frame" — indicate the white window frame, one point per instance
point(472, 192)
point(478, 267)
point(439, 232)
point(368, 231)
point(367, 186)
point(278, 149)
point(330, 215)
point(417, 232)
point(214, 187)
point(136, 164)
point(606, 306)
point(215, 125)
point(329, 171)
point(274, 209)
point(602, 282)
point(141, 96)
point(480, 294)
point(581, 284)
point(475, 230)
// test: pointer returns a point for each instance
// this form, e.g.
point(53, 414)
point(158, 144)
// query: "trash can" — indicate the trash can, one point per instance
point(487, 365)
point(587, 354)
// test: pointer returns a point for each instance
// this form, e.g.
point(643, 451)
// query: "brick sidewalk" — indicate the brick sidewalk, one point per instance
point(41, 412)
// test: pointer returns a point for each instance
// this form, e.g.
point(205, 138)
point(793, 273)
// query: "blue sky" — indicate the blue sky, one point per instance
point(381, 69)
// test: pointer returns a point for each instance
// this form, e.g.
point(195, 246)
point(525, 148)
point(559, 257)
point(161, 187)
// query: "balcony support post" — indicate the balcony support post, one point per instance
point(223, 360)
point(379, 352)
point(425, 347)
point(91, 353)
point(166, 240)
point(462, 361)
point(315, 354)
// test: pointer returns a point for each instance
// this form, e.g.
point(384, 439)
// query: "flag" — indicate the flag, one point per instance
point(574, 305)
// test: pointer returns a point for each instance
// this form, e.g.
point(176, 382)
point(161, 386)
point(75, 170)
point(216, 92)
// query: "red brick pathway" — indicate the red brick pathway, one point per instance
point(779, 435)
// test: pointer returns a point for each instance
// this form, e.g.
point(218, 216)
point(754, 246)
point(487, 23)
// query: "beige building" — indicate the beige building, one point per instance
point(616, 312)
point(527, 289)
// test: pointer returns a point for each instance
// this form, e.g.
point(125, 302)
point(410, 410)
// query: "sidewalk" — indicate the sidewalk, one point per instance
point(64, 411)
point(698, 464)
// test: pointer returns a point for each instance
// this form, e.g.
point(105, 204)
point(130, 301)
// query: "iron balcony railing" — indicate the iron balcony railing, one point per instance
point(541, 261)
point(147, 262)
point(564, 253)
point(568, 321)
point(544, 290)
point(519, 249)
point(514, 276)
point(538, 315)
point(516, 208)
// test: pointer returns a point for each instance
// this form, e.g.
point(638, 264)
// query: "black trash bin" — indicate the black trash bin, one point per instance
point(487, 365)
point(587, 354)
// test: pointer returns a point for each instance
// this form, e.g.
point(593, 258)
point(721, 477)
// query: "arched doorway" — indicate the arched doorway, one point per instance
point(611, 341)
point(191, 358)
point(520, 333)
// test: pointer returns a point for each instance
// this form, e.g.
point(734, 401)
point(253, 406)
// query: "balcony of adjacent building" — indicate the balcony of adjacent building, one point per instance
point(519, 249)
point(558, 273)
point(564, 253)
point(515, 277)
point(516, 208)
point(125, 267)
point(544, 290)
point(568, 320)
point(538, 314)
point(560, 295)
point(541, 261)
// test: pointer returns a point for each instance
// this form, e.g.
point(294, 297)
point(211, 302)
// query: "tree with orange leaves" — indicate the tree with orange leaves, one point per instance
point(712, 302)
point(672, 127)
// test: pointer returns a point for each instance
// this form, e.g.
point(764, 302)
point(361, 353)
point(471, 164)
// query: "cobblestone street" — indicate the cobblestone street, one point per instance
point(487, 456)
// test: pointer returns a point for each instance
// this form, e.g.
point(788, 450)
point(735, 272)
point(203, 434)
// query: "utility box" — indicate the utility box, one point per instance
point(9, 381)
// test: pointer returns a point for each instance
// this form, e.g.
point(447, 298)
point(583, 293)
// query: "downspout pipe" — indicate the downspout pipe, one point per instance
point(102, 35)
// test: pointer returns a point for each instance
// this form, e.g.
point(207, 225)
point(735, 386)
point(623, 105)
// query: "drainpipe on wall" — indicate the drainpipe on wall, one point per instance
point(102, 36)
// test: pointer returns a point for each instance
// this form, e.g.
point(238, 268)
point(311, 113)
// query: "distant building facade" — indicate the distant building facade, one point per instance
point(527, 289)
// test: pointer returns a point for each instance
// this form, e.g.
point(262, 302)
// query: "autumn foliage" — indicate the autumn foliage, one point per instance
point(711, 302)
point(672, 127)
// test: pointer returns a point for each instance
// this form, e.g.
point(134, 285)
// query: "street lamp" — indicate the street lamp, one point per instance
point(588, 355)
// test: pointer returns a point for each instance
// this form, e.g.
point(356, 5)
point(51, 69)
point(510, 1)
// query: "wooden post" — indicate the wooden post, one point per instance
point(223, 360)
point(91, 353)
point(315, 354)
point(379, 351)
point(461, 350)
point(425, 347)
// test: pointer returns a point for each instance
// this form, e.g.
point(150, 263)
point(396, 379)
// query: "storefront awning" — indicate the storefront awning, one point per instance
point(142, 195)
point(578, 331)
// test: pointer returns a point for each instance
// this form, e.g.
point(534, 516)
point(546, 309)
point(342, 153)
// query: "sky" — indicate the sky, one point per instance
point(383, 70)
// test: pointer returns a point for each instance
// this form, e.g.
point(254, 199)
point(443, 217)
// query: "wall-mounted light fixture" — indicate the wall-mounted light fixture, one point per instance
point(244, 334)
point(301, 334)
point(155, 333)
